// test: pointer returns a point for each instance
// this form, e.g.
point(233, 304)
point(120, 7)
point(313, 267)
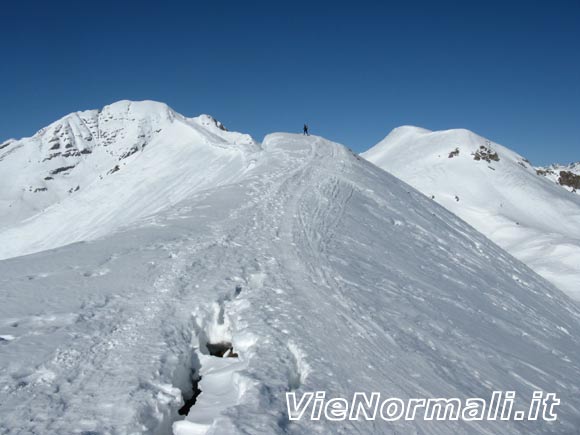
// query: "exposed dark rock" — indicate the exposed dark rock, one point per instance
point(569, 179)
point(485, 153)
point(115, 169)
point(223, 349)
point(72, 153)
point(454, 153)
point(545, 172)
point(61, 169)
point(132, 151)
point(51, 156)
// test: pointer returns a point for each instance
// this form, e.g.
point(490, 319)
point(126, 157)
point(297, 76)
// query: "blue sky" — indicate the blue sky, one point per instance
point(509, 70)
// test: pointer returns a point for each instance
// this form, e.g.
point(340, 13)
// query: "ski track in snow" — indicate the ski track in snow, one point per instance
point(313, 294)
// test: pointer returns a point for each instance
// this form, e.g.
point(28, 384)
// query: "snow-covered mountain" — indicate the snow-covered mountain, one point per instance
point(91, 172)
point(567, 176)
point(304, 266)
point(495, 190)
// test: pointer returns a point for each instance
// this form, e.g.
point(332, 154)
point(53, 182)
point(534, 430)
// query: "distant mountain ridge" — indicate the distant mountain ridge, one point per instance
point(567, 176)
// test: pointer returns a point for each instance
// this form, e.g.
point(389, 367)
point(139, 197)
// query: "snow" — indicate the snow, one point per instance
point(162, 158)
point(532, 218)
point(323, 272)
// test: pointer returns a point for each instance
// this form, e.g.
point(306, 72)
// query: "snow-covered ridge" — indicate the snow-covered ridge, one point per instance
point(102, 168)
point(567, 176)
point(441, 143)
point(322, 271)
point(496, 190)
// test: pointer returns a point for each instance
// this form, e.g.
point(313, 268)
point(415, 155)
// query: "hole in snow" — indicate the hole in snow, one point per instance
point(221, 350)
point(189, 402)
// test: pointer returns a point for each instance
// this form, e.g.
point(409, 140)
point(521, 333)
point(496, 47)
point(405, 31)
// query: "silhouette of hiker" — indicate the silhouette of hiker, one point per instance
point(306, 130)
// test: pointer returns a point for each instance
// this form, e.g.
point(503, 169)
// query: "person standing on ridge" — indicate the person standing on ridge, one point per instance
point(306, 130)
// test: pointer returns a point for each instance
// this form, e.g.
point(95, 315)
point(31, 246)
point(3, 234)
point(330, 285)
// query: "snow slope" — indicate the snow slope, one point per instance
point(528, 215)
point(90, 172)
point(323, 271)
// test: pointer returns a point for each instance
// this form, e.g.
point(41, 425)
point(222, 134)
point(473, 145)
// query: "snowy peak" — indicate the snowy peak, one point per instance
point(567, 176)
point(123, 127)
point(127, 149)
point(494, 189)
point(125, 120)
point(421, 143)
point(574, 167)
point(406, 130)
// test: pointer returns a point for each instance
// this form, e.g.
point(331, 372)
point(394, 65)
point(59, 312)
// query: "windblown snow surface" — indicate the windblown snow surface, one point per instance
point(502, 196)
point(323, 271)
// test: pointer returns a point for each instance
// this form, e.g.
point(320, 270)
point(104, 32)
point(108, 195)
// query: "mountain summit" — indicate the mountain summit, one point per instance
point(494, 189)
point(89, 172)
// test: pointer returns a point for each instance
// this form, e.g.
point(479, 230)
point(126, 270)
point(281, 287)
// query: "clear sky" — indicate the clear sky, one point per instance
point(509, 70)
